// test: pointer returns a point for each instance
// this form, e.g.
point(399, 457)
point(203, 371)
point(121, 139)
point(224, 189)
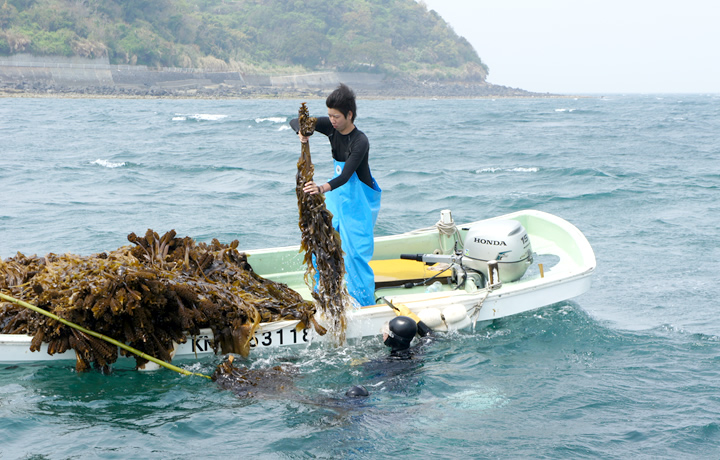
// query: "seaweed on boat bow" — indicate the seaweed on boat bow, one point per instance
point(320, 241)
point(147, 296)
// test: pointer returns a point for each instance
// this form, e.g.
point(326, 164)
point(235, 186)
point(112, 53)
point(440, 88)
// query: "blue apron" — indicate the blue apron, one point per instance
point(355, 208)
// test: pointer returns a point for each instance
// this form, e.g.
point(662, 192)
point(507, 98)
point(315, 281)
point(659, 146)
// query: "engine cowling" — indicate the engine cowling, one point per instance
point(504, 241)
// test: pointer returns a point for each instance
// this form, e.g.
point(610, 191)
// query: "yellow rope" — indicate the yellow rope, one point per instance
point(100, 336)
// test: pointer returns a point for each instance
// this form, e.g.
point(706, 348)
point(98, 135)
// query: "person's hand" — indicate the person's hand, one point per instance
point(312, 188)
point(303, 139)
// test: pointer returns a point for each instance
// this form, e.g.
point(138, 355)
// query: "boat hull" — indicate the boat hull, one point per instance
point(564, 263)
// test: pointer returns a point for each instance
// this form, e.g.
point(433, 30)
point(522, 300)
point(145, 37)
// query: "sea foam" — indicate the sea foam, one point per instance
point(108, 164)
point(198, 117)
point(271, 119)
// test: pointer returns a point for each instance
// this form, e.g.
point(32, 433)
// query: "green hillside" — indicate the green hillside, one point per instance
point(396, 37)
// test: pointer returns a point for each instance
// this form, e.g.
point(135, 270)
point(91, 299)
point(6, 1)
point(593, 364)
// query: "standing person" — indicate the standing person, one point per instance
point(352, 195)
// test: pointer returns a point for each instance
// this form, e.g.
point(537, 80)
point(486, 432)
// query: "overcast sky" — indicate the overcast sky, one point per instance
point(593, 46)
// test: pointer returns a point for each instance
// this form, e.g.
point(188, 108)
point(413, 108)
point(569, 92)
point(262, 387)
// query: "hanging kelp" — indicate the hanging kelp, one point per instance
point(147, 296)
point(323, 253)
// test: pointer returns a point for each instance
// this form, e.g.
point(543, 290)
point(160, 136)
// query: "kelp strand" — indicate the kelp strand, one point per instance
point(319, 240)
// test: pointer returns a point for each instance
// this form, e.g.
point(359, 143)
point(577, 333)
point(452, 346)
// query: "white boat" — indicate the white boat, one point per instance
point(509, 265)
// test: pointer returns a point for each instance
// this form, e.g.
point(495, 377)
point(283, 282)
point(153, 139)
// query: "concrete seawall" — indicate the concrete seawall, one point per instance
point(23, 74)
point(76, 72)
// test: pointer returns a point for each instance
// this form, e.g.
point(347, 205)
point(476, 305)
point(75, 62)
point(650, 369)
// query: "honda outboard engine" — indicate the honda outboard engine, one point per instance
point(504, 241)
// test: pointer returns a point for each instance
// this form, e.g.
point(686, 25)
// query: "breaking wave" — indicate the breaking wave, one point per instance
point(108, 164)
point(272, 119)
point(198, 117)
point(517, 169)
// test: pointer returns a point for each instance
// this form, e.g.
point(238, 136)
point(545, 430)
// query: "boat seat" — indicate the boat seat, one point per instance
point(393, 272)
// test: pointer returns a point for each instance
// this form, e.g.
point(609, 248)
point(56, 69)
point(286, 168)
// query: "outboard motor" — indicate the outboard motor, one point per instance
point(503, 241)
point(500, 250)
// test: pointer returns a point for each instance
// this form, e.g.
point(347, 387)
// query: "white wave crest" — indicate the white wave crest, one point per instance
point(198, 117)
point(564, 110)
point(271, 119)
point(517, 169)
point(108, 164)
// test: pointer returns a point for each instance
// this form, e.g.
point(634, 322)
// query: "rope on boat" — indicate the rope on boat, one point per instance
point(477, 307)
point(100, 336)
point(448, 229)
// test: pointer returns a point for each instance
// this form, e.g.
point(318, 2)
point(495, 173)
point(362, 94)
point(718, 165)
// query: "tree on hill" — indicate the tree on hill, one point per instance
point(398, 37)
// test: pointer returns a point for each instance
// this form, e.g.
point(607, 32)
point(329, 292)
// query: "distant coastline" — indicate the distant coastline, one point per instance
point(29, 76)
point(443, 92)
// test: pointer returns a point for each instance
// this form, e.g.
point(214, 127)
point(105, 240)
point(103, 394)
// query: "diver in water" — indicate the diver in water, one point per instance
point(393, 371)
point(398, 334)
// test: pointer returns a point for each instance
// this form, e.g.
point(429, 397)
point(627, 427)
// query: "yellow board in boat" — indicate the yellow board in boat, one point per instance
point(402, 270)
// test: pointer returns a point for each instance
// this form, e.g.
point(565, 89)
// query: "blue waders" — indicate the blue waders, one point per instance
point(355, 208)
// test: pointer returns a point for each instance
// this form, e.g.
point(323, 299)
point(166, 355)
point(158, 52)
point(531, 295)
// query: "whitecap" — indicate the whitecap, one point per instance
point(208, 117)
point(107, 164)
point(516, 169)
point(271, 119)
point(199, 117)
point(564, 110)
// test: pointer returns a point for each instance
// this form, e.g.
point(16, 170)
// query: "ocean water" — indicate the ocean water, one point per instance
point(629, 369)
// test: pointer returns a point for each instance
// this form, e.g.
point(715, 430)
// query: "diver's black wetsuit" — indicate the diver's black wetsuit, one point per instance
point(398, 372)
point(408, 353)
point(394, 369)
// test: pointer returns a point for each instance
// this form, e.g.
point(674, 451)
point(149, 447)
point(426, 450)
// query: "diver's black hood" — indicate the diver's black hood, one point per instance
point(402, 331)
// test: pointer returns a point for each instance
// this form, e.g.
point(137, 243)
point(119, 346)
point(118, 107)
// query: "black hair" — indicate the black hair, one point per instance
point(342, 100)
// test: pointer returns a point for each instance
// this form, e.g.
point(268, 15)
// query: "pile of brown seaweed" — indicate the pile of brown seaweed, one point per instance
point(319, 240)
point(147, 296)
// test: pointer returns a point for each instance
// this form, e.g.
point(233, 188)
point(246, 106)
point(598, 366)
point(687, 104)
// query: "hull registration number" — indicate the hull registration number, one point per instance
point(277, 338)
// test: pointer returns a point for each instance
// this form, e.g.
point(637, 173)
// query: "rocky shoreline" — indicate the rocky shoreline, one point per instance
point(389, 90)
point(419, 91)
